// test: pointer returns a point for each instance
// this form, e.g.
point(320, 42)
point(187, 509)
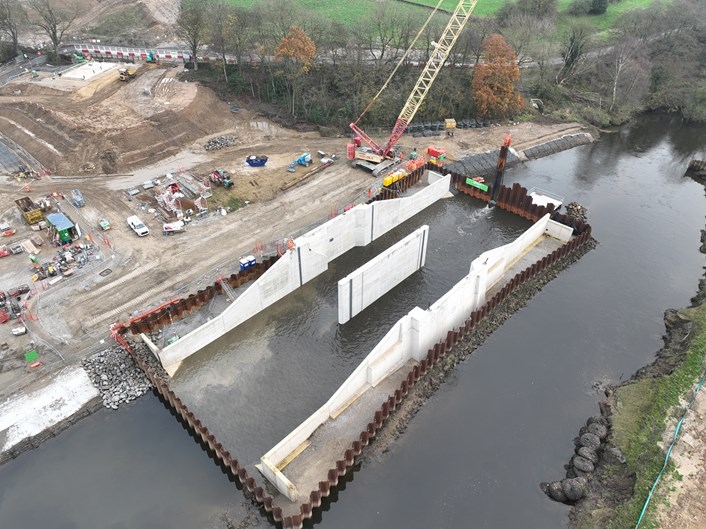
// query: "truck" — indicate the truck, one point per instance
point(31, 212)
point(126, 74)
point(173, 227)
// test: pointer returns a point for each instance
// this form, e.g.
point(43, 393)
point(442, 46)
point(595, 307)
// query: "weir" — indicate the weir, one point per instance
point(331, 428)
point(496, 274)
point(310, 255)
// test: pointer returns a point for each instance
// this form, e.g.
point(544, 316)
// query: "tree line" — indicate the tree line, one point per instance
point(322, 72)
point(307, 68)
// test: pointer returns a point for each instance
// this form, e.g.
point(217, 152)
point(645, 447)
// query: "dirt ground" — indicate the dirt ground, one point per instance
point(687, 501)
point(102, 115)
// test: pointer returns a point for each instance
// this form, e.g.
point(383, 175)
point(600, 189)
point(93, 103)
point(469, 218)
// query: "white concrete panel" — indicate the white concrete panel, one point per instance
point(411, 337)
point(313, 252)
point(559, 231)
point(388, 214)
point(361, 288)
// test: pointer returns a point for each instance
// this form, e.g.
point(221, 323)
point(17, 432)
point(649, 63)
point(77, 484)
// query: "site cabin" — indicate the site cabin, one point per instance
point(65, 230)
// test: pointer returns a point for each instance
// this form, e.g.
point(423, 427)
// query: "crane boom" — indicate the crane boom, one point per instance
point(436, 60)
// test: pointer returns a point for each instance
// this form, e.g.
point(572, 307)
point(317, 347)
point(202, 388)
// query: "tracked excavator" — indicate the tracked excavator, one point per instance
point(383, 158)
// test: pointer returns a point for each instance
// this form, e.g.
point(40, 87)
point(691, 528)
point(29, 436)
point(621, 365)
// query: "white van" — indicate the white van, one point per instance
point(138, 226)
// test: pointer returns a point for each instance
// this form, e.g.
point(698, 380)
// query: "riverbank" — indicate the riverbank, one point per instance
point(642, 414)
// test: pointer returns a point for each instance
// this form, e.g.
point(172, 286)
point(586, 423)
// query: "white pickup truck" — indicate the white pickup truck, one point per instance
point(138, 226)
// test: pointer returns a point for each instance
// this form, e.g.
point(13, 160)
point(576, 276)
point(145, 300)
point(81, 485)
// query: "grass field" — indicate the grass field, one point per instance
point(348, 13)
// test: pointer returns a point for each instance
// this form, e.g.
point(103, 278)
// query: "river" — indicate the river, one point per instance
point(476, 452)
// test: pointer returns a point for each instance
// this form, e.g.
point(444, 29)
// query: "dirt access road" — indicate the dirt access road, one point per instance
point(74, 315)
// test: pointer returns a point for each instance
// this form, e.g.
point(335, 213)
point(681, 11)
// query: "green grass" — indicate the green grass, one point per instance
point(349, 13)
point(639, 423)
point(605, 21)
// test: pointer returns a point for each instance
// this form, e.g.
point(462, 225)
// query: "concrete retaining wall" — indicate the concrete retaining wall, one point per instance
point(314, 250)
point(345, 466)
point(377, 277)
point(411, 337)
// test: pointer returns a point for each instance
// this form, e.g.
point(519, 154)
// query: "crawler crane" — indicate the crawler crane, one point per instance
point(379, 159)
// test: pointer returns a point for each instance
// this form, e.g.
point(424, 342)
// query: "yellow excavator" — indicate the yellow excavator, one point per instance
point(126, 74)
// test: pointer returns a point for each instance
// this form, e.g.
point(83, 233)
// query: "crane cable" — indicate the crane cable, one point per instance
point(399, 63)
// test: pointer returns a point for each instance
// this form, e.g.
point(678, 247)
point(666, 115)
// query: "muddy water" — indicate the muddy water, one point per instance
point(474, 455)
point(297, 352)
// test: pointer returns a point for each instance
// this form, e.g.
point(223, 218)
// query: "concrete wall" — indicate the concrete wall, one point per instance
point(410, 338)
point(314, 250)
point(361, 288)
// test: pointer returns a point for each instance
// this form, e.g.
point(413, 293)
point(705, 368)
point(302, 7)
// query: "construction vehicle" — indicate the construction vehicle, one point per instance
point(437, 155)
point(379, 158)
point(304, 160)
point(221, 178)
point(450, 126)
point(151, 57)
point(126, 74)
point(31, 212)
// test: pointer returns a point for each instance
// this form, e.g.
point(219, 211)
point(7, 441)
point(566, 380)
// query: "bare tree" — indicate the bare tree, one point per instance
point(192, 26)
point(54, 20)
point(12, 19)
point(223, 27)
point(624, 63)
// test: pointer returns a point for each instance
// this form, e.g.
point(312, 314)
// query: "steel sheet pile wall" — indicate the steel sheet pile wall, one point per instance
point(345, 465)
point(401, 186)
point(182, 308)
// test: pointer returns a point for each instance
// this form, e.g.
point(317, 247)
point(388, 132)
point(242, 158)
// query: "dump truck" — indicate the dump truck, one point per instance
point(127, 73)
point(31, 212)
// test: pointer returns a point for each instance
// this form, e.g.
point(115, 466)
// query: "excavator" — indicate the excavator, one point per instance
point(380, 159)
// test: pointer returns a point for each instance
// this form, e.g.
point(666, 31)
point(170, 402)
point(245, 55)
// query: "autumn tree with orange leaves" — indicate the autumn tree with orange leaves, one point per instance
point(296, 52)
point(494, 80)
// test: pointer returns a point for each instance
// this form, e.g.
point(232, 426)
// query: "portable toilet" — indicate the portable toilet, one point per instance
point(251, 260)
point(244, 264)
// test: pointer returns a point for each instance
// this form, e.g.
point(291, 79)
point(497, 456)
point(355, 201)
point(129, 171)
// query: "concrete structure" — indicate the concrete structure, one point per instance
point(407, 341)
point(361, 288)
point(310, 257)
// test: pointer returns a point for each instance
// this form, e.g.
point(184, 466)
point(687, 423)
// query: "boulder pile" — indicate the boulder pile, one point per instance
point(116, 376)
point(219, 142)
point(590, 449)
point(577, 211)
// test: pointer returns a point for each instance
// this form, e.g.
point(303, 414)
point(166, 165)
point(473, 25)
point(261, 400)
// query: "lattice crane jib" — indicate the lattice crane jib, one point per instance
point(431, 70)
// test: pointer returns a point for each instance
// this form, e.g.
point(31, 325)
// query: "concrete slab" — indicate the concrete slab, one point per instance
point(542, 248)
point(331, 439)
point(89, 70)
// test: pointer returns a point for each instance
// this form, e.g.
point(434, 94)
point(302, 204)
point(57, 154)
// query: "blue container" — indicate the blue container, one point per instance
point(251, 260)
point(244, 264)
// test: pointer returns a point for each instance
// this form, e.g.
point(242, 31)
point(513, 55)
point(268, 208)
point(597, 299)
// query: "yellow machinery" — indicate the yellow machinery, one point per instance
point(127, 73)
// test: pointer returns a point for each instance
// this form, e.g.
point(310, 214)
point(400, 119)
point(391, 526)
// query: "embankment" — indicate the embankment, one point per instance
point(637, 412)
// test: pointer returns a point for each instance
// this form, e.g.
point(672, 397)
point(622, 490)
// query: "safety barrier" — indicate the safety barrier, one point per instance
point(514, 201)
